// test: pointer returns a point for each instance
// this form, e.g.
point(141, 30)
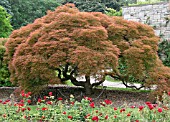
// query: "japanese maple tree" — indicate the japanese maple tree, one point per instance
point(67, 44)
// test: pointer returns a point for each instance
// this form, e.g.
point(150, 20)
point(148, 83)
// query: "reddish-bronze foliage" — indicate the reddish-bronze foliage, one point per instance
point(66, 44)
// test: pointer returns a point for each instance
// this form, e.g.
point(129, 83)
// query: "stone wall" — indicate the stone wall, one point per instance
point(156, 15)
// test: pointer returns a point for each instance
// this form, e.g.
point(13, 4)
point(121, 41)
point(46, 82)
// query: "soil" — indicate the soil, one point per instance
point(119, 98)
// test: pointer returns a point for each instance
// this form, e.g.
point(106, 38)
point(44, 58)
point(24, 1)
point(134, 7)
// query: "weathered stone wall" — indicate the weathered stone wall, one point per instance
point(156, 15)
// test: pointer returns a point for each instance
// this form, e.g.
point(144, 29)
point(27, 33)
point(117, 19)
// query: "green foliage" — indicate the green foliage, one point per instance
point(6, 5)
point(164, 52)
point(113, 12)
point(26, 11)
point(4, 73)
point(95, 5)
point(5, 26)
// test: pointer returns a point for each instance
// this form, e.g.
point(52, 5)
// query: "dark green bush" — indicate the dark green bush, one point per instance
point(164, 52)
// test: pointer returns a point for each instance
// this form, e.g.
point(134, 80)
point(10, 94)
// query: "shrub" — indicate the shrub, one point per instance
point(5, 26)
point(4, 73)
point(80, 44)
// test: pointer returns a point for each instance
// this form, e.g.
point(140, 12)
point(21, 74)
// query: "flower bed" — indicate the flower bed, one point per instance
point(51, 109)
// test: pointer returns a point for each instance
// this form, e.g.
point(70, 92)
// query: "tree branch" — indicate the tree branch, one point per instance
point(98, 83)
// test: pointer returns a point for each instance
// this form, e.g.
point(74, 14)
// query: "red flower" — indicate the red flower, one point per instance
point(106, 117)
point(7, 101)
point(60, 98)
point(49, 102)
point(92, 104)
point(169, 93)
point(0, 101)
point(90, 99)
point(128, 114)
point(29, 93)
point(100, 114)
point(137, 121)
point(72, 103)
point(115, 116)
point(64, 112)
point(132, 106)
point(108, 102)
point(87, 116)
point(23, 109)
point(29, 101)
point(39, 100)
point(70, 117)
point(22, 101)
point(44, 108)
point(159, 110)
point(20, 104)
point(45, 97)
point(95, 118)
point(150, 106)
point(4, 115)
point(23, 94)
point(28, 108)
point(115, 108)
point(122, 110)
point(147, 103)
point(140, 108)
point(50, 93)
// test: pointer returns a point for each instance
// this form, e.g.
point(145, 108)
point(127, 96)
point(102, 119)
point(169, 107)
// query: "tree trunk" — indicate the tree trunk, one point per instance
point(88, 88)
point(87, 85)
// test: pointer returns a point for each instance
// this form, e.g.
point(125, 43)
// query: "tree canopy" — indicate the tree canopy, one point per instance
point(67, 44)
point(5, 26)
point(26, 11)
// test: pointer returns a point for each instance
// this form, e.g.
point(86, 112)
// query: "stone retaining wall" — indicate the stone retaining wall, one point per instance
point(156, 15)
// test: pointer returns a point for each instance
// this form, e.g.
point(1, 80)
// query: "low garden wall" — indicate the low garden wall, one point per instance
point(156, 15)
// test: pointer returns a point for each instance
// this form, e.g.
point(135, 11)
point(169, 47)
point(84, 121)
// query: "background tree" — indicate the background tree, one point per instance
point(4, 73)
point(5, 26)
point(26, 11)
point(68, 44)
point(6, 5)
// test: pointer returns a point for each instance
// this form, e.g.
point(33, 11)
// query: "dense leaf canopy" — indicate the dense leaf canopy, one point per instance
point(66, 44)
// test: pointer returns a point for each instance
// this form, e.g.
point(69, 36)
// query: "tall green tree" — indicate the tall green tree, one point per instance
point(6, 5)
point(26, 11)
point(5, 25)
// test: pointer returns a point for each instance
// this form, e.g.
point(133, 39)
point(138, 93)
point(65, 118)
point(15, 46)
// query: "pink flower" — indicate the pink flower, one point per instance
point(92, 104)
point(60, 98)
point(50, 93)
point(70, 117)
point(95, 118)
point(159, 110)
point(108, 102)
